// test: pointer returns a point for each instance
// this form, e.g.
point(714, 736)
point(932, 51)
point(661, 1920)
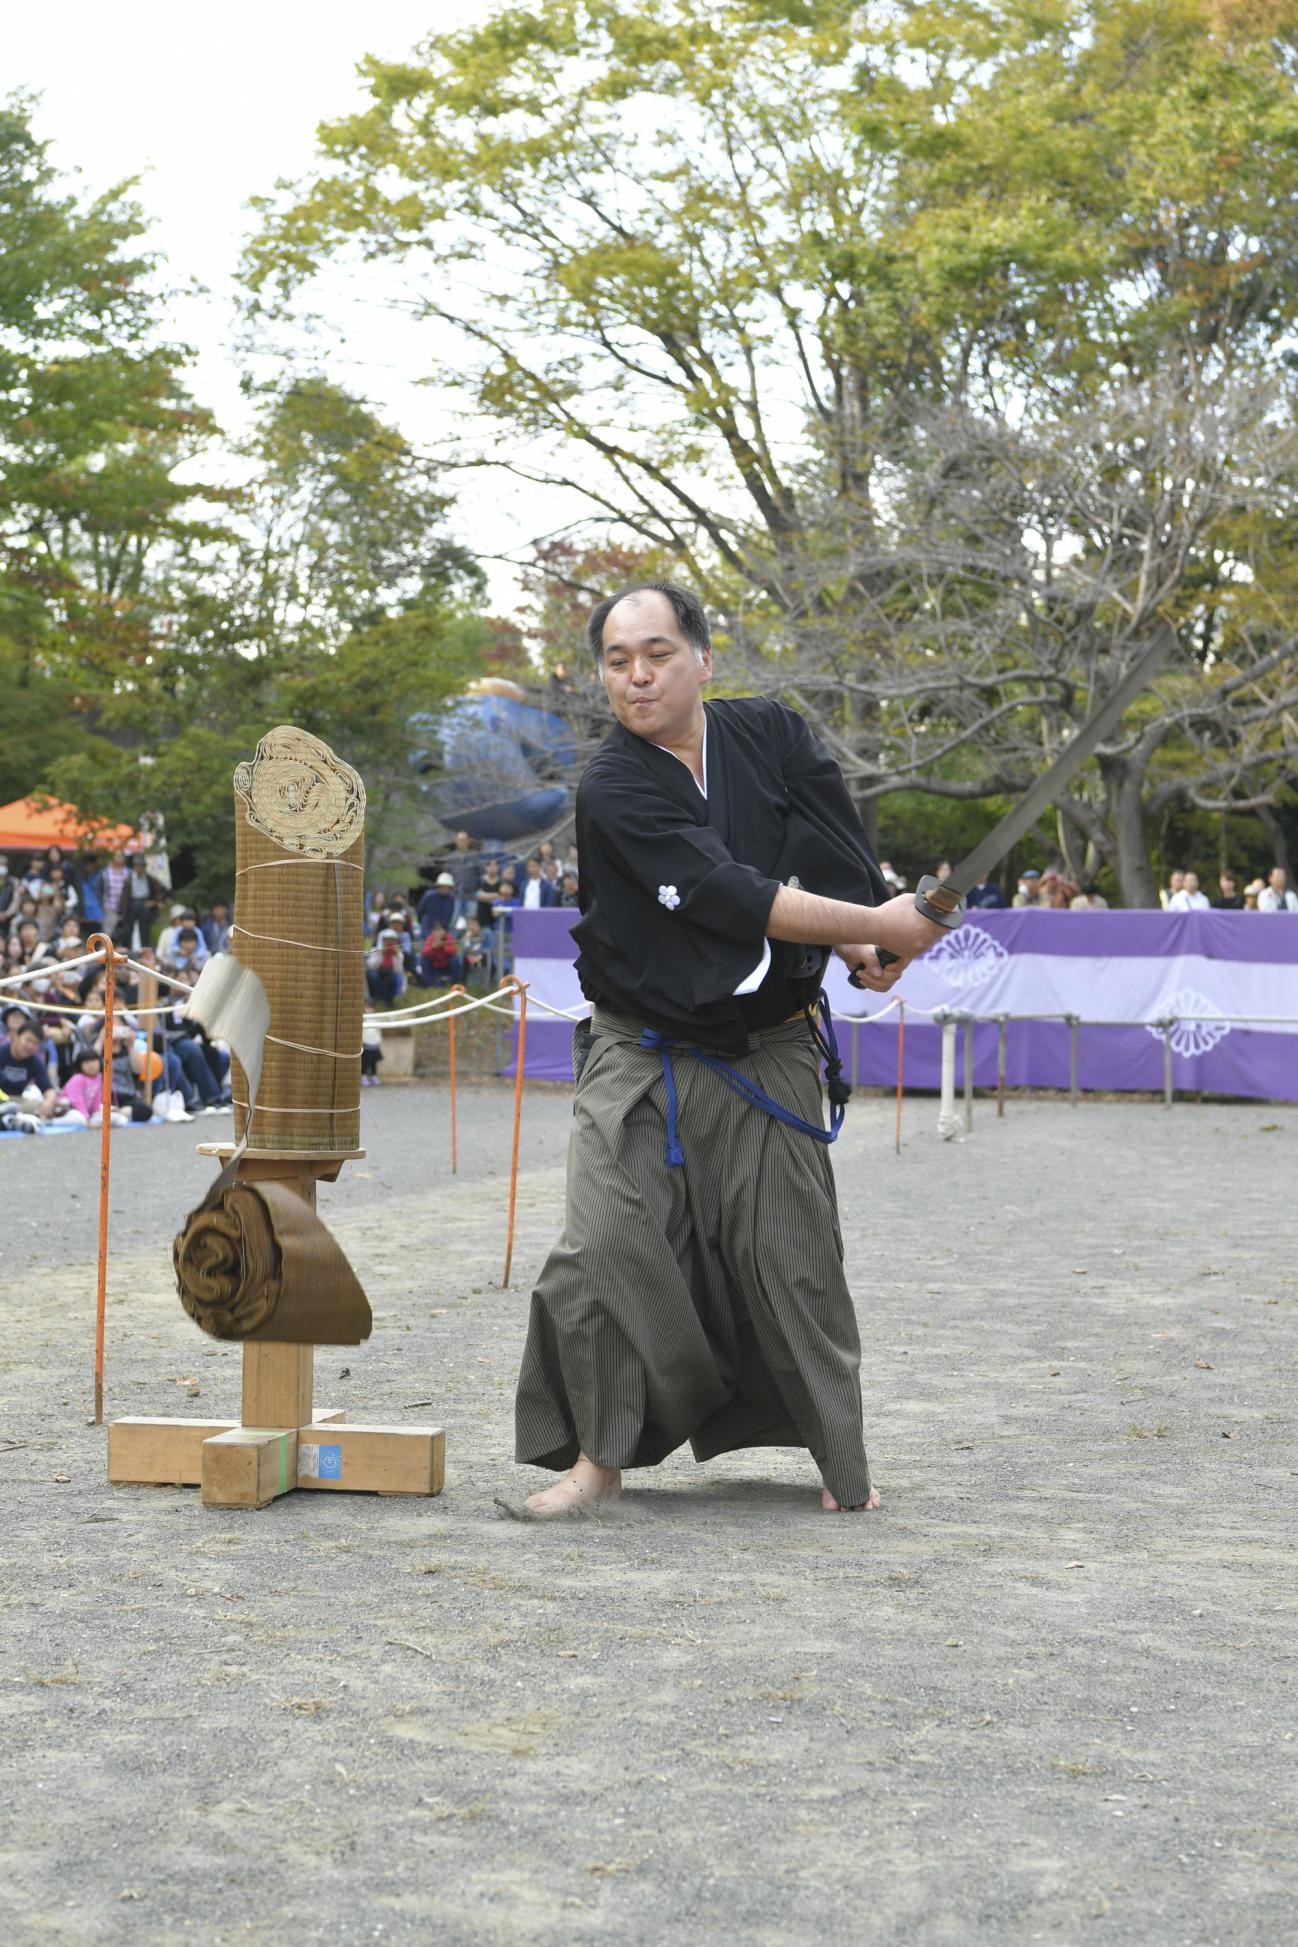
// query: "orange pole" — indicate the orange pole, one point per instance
point(520, 988)
point(100, 943)
point(901, 1051)
point(451, 1025)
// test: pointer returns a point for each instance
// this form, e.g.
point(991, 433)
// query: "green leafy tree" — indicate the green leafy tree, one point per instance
point(775, 288)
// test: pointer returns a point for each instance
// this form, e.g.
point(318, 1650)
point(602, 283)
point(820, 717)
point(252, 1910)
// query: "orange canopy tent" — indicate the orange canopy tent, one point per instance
point(27, 826)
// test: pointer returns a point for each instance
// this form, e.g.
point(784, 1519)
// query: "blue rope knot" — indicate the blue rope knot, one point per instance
point(837, 1090)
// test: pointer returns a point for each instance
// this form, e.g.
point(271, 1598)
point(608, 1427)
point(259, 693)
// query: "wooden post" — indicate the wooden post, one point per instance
point(147, 996)
point(100, 943)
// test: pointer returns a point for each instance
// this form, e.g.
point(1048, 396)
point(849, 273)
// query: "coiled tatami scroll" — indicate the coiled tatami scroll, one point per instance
point(299, 858)
point(255, 1262)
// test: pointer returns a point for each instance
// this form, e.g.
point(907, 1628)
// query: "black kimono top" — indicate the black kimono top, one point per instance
point(676, 889)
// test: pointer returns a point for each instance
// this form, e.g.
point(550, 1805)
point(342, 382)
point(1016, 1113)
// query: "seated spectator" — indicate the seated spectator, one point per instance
point(31, 947)
point(568, 894)
point(1187, 898)
point(193, 1064)
point(1057, 893)
point(1276, 896)
point(439, 962)
point(215, 926)
point(166, 945)
point(1175, 884)
point(60, 1041)
point(374, 911)
point(188, 949)
point(26, 911)
point(83, 1094)
point(13, 1015)
point(22, 1070)
point(1252, 894)
point(437, 906)
point(1029, 888)
point(546, 853)
point(385, 973)
point(986, 895)
point(1229, 899)
point(1089, 900)
point(69, 934)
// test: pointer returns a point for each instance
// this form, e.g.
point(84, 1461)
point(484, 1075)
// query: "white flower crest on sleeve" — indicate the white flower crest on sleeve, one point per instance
point(669, 897)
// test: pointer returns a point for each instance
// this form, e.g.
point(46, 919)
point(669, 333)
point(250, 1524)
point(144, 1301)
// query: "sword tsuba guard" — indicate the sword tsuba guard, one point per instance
point(939, 902)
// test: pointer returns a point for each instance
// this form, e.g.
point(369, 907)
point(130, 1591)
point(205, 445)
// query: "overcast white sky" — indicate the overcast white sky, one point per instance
point(210, 105)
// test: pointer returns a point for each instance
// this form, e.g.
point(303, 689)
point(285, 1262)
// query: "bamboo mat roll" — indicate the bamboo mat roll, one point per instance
point(255, 1262)
point(299, 923)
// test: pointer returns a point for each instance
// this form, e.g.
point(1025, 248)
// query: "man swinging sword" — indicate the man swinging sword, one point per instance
point(697, 1291)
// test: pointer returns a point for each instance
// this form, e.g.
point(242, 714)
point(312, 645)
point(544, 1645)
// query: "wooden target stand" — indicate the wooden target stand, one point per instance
point(281, 1441)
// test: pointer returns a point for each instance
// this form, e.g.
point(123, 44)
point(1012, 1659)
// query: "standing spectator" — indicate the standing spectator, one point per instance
point(1056, 892)
point(374, 914)
point(488, 893)
point(371, 1048)
point(1252, 893)
point(437, 907)
point(1275, 896)
point(1188, 899)
point(215, 926)
point(1089, 900)
point(465, 868)
point(536, 890)
point(8, 893)
point(1175, 884)
point(143, 894)
point(986, 894)
point(113, 894)
point(474, 951)
point(568, 893)
point(89, 881)
point(1029, 888)
point(550, 879)
point(1229, 899)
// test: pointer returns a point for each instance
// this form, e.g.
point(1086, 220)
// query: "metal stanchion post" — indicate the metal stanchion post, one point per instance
point(1167, 1063)
point(1002, 1030)
point(1072, 1059)
point(968, 1073)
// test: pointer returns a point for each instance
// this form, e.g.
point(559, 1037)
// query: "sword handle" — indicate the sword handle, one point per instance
point(937, 901)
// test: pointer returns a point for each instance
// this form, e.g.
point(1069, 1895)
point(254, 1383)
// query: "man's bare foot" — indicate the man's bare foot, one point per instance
point(579, 1490)
point(831, 1506)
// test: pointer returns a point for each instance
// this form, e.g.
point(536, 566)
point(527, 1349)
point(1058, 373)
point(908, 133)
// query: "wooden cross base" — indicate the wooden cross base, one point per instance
point(282, 1442)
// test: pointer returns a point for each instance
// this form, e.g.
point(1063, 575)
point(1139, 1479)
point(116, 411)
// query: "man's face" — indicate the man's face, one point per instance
point(534, 868)
point(1279, 878)
point(24, 1043)
point(1176, 881)
point(114, 858)
point(651, 674)
point(1192, 882)
point(461, 841)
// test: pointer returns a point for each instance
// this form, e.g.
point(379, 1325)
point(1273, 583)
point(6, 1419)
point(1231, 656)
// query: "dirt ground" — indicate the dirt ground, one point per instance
point(1046, 1694)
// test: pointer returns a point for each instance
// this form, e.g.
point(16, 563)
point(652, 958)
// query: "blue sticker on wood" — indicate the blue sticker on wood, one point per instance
point(331, 1463)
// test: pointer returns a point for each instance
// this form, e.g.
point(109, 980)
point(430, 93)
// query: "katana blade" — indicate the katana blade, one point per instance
point(971, 871)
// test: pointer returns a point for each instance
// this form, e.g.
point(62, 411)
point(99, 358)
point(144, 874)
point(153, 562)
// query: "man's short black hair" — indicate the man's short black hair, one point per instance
point(686, 605)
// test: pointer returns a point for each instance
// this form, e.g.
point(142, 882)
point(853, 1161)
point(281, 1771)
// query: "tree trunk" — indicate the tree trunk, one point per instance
point(1123, 780)
point(1275, 832)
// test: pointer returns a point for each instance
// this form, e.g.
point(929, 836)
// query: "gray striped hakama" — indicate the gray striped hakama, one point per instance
point(704, 1303)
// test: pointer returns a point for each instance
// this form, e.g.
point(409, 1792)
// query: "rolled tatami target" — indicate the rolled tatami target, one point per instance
point(256, 1262)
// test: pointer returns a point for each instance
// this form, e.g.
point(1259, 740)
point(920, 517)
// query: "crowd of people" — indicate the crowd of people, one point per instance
point(163, 1067)
point(1054, 891)
point(457, 931)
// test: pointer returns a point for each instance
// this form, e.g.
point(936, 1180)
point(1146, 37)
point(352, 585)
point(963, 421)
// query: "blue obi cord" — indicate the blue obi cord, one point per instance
point(838, 1090)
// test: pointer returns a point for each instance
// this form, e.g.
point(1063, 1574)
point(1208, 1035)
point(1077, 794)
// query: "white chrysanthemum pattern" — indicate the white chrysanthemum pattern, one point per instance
point(967, 957)
point(669, 897)
point(1190, 1037)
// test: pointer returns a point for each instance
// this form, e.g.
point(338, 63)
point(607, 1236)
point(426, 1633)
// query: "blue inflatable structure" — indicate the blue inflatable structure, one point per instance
point(500, 763)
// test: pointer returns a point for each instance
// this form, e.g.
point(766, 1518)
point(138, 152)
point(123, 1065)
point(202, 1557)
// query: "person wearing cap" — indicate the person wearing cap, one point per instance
point(1029, 888)
point(1276, 895)
point(385, 972)
point(1251, 894)
point(437, 905)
